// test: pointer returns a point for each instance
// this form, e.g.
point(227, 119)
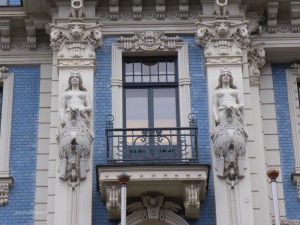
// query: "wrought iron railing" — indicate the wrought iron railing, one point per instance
point(152, 145)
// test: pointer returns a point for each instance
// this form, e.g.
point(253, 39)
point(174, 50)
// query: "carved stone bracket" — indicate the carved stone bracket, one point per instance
point(113, 203)
point(296, 179)
point(192, 201)
point(5, 184)
point(295, 16)
point(5, 34)
point(31, 34)
point(149, 41)
point(272, 16)
point(256, 60)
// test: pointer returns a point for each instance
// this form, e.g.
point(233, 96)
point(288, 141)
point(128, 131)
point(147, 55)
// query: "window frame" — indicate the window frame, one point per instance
point(5, 138)
point(150, 86)
point(180, 50)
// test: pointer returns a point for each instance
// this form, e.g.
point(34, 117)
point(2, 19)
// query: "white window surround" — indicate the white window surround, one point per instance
point(291, 77)
point(5, 180)
point(181, 50)
point(8, 85)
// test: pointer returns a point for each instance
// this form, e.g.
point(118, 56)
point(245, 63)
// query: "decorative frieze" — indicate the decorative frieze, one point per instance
point(149, 41)
point(5, 184)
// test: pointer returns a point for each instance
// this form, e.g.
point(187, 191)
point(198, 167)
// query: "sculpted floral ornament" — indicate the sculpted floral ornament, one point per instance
point(229, 133)
point(149, 41)
point(77, 10)
point(74, 135)
point(221, 11)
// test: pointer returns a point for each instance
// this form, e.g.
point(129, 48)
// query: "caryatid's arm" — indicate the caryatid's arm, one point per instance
point(239, 101)
point(63, 107)
point(215, 107)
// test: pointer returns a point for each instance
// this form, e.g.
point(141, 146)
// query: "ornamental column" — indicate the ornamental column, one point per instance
point(74, 40)
point(226, 42)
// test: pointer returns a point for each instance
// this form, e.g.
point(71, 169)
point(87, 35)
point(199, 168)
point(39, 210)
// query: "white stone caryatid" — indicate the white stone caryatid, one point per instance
point(74, 135)
point(229, 135)
point(226, 42)
point(74, 42)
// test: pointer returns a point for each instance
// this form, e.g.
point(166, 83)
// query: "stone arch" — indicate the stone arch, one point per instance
point(136, 218)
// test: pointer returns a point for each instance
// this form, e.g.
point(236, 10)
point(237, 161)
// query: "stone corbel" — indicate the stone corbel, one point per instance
point(113, 204)
point(5, 184)
point(114, 9)
point(160, 9)
point(296, 179)
point(137, 9)
point(295, 16)
point(256, 60)
point(5, 34)
point(192, 201)
point(184, 9)
point(31, 34)
point(272, 15)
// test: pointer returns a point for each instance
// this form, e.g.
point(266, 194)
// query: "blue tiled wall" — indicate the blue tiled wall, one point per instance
point(292, 205)
point(199, 106)
point(20, 209)
point(102, 107)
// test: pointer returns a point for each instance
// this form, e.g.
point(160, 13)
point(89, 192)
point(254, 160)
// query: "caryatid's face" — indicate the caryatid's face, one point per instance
point(226, 77)
point(75, 79)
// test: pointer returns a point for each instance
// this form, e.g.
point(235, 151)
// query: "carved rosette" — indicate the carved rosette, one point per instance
point(149, 41)
point(76, 43)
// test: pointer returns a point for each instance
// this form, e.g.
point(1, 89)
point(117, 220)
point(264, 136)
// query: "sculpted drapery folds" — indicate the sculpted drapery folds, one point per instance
point(229, 133)
point(74, 134)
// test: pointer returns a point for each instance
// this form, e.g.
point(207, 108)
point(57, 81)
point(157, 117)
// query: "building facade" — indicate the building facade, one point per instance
point(194, 100)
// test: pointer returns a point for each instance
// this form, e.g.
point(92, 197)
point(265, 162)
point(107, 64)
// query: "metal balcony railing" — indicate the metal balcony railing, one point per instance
point(152, 145)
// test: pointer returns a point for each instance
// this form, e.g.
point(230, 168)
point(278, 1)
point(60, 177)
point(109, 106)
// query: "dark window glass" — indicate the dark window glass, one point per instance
point(150, 70)
point(11, 3)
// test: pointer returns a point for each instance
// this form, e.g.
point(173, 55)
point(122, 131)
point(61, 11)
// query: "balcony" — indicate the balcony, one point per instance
point(152, 145)
point(160, 162)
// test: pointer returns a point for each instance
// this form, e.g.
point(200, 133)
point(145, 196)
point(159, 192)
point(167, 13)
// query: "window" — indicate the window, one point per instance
point(150, 92)
point(10, 2)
